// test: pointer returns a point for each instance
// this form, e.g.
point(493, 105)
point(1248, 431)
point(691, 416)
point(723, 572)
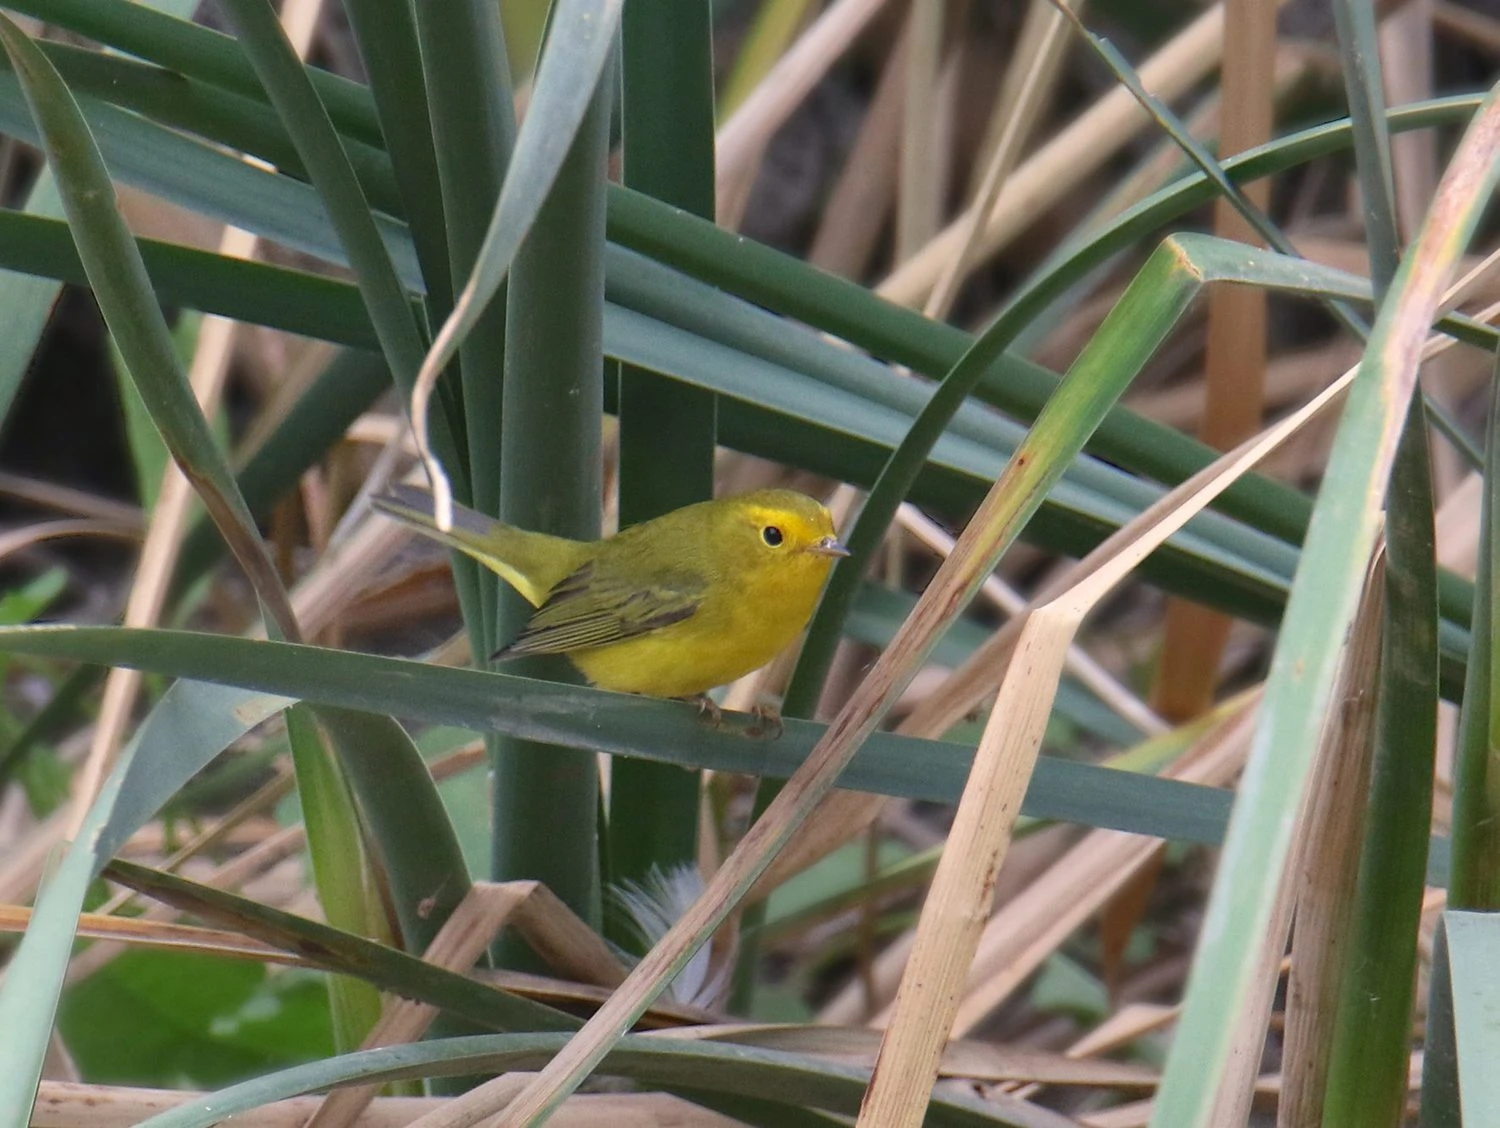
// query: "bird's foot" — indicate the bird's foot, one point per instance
point(708, 710)
point(765, 719)
point(767, 723)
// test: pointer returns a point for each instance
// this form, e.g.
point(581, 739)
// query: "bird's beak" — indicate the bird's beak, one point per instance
point(828, 546)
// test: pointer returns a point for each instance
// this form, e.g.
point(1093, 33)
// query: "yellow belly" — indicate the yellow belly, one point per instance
point(690, 657)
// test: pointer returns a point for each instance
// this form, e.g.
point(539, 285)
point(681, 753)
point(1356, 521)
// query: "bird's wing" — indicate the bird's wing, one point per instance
point(590, 608)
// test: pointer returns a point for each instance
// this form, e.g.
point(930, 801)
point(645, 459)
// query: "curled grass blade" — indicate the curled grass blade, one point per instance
point(578, 48)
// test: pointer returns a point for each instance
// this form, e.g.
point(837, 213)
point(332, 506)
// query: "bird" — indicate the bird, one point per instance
point(671, 607)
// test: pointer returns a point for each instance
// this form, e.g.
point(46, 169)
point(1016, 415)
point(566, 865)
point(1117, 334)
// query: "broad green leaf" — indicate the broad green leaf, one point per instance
point(195, 1020)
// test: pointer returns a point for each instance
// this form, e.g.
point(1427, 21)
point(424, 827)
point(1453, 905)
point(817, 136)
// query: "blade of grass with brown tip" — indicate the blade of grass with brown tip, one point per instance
point(1328, 868)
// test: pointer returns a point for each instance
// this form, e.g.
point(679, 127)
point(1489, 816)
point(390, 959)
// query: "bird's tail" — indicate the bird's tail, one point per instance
point(532, 563)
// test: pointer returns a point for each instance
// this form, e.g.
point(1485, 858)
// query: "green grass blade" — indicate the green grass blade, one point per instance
point(220, 116)
point(406, 817)
point(27, 302)
point(474, 122)
point(578, 48)
point(1473, 952)
point(149, 456)
point(1368, 1057)
point(667, 431)
point(200, 177)
point(340, 870)
point(1359, 50)
point(1440, 1106)
point(1364, 87)
point(792, 1079)
point(306, 120)
point(547, 798)
point(1476, 836)
point(619, 724)
point(387, 39)
point(293, 300)
point(195, 51)
point(1476, 874)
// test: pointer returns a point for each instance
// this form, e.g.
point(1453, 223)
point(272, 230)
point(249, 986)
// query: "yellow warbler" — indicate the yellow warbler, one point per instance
point(670, 607)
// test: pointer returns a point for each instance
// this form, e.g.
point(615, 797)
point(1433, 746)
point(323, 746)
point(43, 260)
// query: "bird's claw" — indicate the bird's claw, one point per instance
point(708, 710)
point(767, 722)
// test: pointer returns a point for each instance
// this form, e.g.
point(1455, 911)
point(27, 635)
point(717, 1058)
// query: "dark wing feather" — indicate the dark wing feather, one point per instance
point(593, 609)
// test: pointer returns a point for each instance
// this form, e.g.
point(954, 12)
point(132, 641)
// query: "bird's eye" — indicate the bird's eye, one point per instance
point(771, 535)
